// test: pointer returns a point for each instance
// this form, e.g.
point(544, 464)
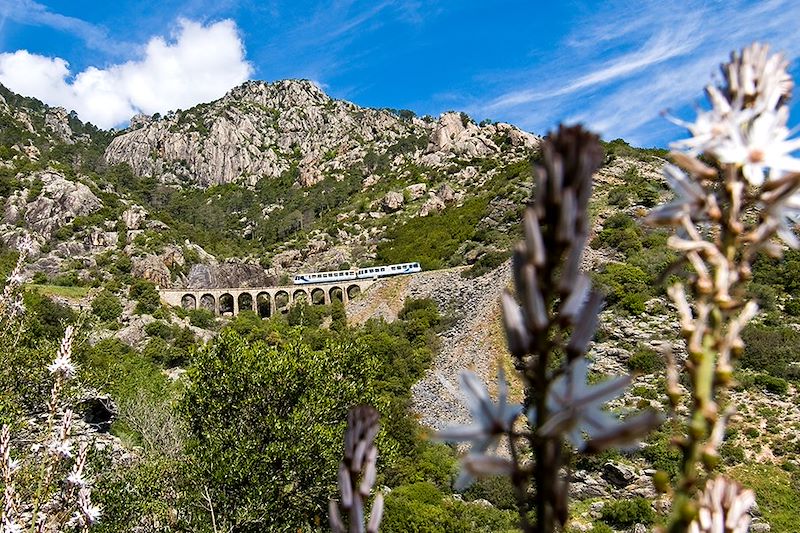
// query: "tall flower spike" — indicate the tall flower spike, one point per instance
point(63, 363)
point(357, 473)
point(490, 420)
point(690, 199)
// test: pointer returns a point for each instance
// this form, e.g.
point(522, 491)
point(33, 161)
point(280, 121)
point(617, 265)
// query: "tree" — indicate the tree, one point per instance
point(266, 424)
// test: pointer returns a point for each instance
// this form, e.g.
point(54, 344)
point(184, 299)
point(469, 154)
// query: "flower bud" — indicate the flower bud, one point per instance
point(661, 481)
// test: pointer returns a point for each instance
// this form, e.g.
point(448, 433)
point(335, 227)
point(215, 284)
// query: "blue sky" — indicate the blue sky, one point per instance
point(611, 65)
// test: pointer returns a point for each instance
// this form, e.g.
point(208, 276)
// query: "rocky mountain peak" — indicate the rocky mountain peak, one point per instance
point(264, 129)
point(283, 93)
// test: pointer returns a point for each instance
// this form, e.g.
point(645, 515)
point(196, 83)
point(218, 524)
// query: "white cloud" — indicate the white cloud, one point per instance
point(199, 64)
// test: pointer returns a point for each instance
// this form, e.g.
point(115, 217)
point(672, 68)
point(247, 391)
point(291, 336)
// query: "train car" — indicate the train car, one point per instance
point(362, 273)
point(325, 277)
point(388, 270)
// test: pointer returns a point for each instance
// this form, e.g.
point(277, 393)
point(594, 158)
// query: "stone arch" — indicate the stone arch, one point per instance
point(208, 302)
point(188, 301)
point(335, 293)
point(226, 304)
point(282, 301)
point(245, 302)
point(299, 295)
point(353, 291)
point(264, 305)
point(318, 296)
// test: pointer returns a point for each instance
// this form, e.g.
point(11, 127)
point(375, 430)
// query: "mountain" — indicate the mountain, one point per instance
point(261, 130)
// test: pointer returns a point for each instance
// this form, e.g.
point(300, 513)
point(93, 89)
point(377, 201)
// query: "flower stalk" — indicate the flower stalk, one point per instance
point(549, 319)
point(748, 194)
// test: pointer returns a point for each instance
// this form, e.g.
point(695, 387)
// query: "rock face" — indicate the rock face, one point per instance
point(57, 121)
point(263, 129)
point(134, 217)
point(152, 268)
point(58, 203)
point(457, 134)
point(231, 274)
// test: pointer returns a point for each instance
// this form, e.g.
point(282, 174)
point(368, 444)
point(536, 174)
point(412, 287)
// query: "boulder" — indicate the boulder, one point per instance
point(56, 119)
point(393, 201)
point(134, 217)
point(432, 205)
point(417, 190)
point(59, 203)
point(309, 173)
point(452, 134)
point(230, 274)
point(618, 474)
point(133, 334)
point(152, 268)
point(446, 194)
point(102, 239)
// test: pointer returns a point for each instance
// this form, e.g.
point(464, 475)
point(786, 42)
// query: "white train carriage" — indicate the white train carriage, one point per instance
point(325, 277)
point(388, 270)
point(361, 273)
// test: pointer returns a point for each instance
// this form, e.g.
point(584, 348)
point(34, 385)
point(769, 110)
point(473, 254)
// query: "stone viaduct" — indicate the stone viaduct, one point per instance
point(263, 300)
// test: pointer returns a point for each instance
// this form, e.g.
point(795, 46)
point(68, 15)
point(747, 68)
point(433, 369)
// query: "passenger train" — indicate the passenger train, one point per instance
point(353, 274)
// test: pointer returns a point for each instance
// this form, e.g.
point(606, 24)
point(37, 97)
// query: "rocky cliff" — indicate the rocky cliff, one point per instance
point(261, 130)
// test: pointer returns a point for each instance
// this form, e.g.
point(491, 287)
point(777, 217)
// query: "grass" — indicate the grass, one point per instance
point(778, 500)
point(74, 293)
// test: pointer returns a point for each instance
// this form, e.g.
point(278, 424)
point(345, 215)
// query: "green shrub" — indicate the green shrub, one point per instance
point(792, 306)
point(146, 296)
point(621, 233)
point(772, 349)
point(600, 527)
point(625, 284)
point(432, 240)
point(160, 352)
point(124, 264)
point(266, 424)
point(661, 453)
point(67, 279)
point(771, 384)
point(731, 454)
point(159, 329)
point(626, 513)
point(46, 317)
point(486, 263)
point(634, 303)
point(646, 360)
point(422, 508)
point(201, 318)
point(106, 306)
point(498, 490)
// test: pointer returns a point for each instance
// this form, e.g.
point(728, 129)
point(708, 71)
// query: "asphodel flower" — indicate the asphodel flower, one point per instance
point(724, 508)
point(490, 421)
point(576, 407)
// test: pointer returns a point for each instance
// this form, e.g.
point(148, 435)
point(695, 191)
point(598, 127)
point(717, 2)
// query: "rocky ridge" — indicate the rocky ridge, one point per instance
point(260, 130)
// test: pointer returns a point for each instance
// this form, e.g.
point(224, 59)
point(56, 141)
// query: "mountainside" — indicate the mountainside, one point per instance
point(261, 130)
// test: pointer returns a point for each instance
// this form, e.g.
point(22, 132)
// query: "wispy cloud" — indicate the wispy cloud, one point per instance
point(35, 14)
point(336, 35)
point(651, 56)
